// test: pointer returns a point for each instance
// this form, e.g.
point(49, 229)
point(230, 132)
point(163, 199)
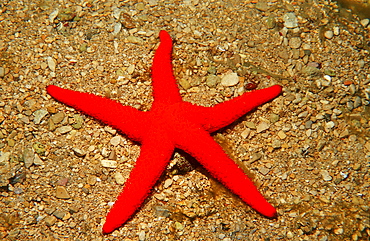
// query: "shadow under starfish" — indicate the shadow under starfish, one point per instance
point(171, 123)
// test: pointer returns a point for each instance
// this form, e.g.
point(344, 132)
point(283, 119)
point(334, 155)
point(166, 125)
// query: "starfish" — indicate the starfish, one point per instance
point(171, 123)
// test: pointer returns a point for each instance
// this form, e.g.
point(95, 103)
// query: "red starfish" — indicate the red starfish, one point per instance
point(171, 123)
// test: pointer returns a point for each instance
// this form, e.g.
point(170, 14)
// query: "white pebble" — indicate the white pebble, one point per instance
point(119, 178)
point(364, 22)
point(117, 28)
point(290, 20)
point(336, 30)
point(108, 163)
point(245, 133)
point(64, 129)
point(330, 125)
point(329, 34)
point(115, 140)
point(230, 79)
point(326, 176)
point(142, 235)
point(308, 132)
point(262, 127)
point(167, 183)
point(116, 13)
point(53, 15)
point(51, 63)
point(130, 69)
point(327, 77)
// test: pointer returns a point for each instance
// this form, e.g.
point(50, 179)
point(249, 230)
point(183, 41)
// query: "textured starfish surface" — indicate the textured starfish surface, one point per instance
point(171, 123)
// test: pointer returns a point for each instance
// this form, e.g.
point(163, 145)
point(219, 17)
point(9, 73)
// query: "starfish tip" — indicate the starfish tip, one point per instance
point(108, 228)
point(277, 88)
point(51, 89)
point(272, 214)
point(164, 36)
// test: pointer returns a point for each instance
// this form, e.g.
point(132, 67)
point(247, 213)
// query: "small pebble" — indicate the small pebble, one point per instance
point(303, 114)
point(245, 133)
point(184, 84)
point(117, 28)
point(115, 140)
point(263, 170)
point(338, 231)
point(108, 163)
point(271, 22)
point(130, 69)
point(212, 80)
point(276, 144)
point(112, 155)
point(50, 220)
point(51, 63)
point(142, 235)
point(2, 71)
point(140, 6)
point(290, 235)
point(39, 114)
point(329, 124)
point(336, 30)
point(61, 192)
point(18, 190)
point(91, 180)
point(364, 22)
point(78, 121)
point(326, 176)
point(58, 117)
point(255, 157)
point(119, 178)
point(63, 181)
point(161, 211)
point(64, 129)
point(352, 89)
point(262, 127)
point(116, 13)
point(327, 77)
point(53, 15)
point(230, 79)
point(59, 214)
point(361, 63)
point(357, 102)
point(78, 152)
point(290, 20)
point(295, 42)
point(105, 152)
point(167, 183)
point(308, 124)
point(135, 40)
point(329, 34)
point(179, 226)
point(262, 6)
point(37, 161)
point(281, 134)
point(250, 125)
point(274, 118)
point(28, 157)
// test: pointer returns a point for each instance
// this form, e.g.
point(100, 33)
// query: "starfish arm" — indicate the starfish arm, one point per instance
point(227, 112)
point(201, 146)
point(165, 89)
point(153, 159)
point(124, 118)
